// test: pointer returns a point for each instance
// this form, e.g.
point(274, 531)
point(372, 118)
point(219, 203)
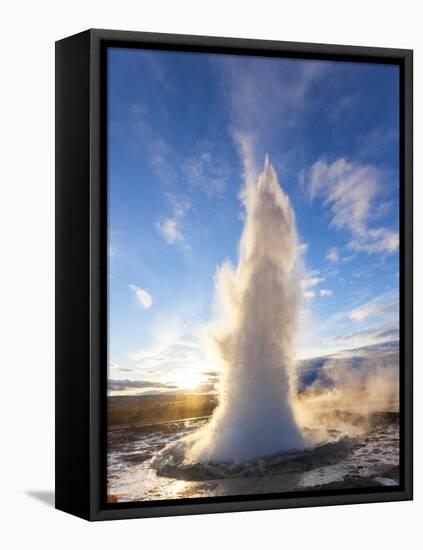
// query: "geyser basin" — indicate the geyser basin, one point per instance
point(253, 339)
point(172, 464)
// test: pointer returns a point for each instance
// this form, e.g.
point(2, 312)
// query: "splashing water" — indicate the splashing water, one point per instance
point(254, 337)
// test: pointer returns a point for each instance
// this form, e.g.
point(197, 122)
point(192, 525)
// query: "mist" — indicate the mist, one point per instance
point(350, 387)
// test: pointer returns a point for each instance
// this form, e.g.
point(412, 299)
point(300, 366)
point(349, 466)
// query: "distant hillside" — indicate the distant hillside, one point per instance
point(154, 409)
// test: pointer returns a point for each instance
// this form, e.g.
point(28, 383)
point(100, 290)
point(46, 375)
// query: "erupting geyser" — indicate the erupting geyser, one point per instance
point(254, 340)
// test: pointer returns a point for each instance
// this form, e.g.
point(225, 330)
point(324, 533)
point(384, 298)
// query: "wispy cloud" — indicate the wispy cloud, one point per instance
point(382, 333)
point(176, 343)
point(170, 352)
point(264, 90)
point(150, 60)
point(309, 282)
point(265, 97)
point(145, 138)
point(303, 248)
point(178, 172)
point(316, 337)
point(376, 240)
point(326, 292)
point(119, 368)
point(115, 385)
point(385, 305)
point(170, 228)
point(312, 281)
point(374, 143)
point(144, 299)
point(343, 106)
point(333, 255)
point(351, 189)
point(203, 171)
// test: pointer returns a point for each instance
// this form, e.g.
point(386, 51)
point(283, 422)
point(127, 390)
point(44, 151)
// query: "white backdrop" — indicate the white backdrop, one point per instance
point(29, 29)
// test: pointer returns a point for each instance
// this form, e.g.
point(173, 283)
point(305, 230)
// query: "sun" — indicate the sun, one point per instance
point(188, 379)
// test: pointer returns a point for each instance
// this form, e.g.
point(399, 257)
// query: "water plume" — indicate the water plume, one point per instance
point(253, 338)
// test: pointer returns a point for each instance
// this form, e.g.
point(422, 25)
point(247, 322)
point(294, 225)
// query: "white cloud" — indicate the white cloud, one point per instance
point(146, 140)
point(311, 282)
point(326, 292)
point(351, 189)
point(264, 90)
point(372, 144)
point(265, 97)
point(151, 61)
point(342, 107)
point(377, 240)
point(381, 333)
point(114, 366)
point(302, 248)
point(332, 255)
point(175, 343)
point(169, 230)
point(143, 297)
point(382, 306)
point(116, 386)
point(205, 173)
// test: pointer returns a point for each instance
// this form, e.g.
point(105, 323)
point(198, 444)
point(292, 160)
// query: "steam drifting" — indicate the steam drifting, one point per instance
point(254, 337)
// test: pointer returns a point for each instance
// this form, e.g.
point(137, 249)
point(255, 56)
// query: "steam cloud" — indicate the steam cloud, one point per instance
point(359, 382)
point(258, 304)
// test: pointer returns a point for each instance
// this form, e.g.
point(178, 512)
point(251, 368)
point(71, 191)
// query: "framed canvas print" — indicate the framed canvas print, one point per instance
point(234, 274)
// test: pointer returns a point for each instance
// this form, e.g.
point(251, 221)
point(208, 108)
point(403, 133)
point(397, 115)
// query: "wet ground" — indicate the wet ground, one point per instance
point(368, 458)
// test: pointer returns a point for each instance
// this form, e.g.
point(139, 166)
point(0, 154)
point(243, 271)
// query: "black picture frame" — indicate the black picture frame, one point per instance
point(81, 272)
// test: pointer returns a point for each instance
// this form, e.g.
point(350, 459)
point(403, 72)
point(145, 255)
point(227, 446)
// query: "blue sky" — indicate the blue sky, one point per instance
point(185, 132)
